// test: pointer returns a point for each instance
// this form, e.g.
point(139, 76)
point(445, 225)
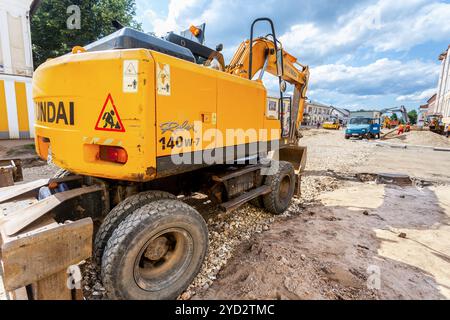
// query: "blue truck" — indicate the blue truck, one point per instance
point(364, 124)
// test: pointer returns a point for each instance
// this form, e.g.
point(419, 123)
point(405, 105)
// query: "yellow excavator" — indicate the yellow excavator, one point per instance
point(136, 121)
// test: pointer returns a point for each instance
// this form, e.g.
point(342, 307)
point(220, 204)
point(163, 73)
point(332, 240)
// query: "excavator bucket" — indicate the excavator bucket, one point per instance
point(34, 237)
point(295, 155)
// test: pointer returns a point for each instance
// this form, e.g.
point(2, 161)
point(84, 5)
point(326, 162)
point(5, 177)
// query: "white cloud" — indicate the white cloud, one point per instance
point(418, 96)
point(383, 76)
point(178, 18)
point(346, 42)
point(385, 25)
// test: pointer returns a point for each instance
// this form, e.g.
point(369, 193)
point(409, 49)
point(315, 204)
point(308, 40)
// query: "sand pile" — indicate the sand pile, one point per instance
point(424, 138)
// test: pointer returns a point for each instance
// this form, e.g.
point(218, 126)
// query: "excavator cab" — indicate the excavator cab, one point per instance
point(290, 108)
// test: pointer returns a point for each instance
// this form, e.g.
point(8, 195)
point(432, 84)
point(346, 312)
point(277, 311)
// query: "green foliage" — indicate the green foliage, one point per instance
point(394, 117)
point(412, 116)
point(52, 38)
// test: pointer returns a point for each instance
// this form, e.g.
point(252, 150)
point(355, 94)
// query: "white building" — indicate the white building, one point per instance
point(319, 113)
point(316, 113)
point(16, 70)
point(442, 106)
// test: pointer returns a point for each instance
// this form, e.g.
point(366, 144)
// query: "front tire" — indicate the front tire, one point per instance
point(118, 214)
point(155, 253)
point(283, 186)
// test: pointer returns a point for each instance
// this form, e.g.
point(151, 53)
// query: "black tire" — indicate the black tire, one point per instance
point(131, 271)
point(283, 186)
point(347, 137)
point(120, 212)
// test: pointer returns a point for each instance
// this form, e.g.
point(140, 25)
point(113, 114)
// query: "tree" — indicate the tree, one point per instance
point(394, 117)
point(412, 116)
point(51, 36)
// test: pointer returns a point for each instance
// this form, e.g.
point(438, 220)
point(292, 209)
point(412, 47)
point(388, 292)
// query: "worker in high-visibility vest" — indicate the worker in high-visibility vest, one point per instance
point(408, 127)
point(401, 129)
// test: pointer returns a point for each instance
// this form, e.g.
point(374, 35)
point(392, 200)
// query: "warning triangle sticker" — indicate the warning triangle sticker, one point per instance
point(109, 119)
point(130, 70)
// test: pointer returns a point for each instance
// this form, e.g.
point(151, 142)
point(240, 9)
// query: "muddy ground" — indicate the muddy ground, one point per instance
point(345, 238)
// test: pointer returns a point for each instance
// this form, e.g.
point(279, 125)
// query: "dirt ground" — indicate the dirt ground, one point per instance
point(345, 238)
point(361, 240)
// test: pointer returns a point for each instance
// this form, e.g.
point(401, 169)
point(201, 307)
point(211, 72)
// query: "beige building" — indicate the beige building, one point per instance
point(316, 113)
point(319, 113)
point(442, 106)
point(16, 70)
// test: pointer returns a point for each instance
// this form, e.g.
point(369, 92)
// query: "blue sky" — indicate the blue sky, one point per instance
point(362, 53)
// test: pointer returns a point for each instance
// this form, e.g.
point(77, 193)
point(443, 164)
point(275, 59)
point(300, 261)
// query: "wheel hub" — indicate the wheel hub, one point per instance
point(157, 248)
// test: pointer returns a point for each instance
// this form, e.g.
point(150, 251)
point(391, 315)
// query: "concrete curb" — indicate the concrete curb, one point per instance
point(410, 146)
point(441, 149)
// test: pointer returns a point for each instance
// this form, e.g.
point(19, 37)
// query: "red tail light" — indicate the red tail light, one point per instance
point(113, 154)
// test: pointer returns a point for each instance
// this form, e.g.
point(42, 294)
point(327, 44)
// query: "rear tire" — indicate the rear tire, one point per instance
point(283, 186)
point(155, 253)
point(118, 214)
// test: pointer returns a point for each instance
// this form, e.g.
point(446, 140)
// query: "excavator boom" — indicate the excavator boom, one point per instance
point(262, 56)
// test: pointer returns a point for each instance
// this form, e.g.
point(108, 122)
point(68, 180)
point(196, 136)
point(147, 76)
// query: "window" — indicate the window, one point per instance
point(360, 121)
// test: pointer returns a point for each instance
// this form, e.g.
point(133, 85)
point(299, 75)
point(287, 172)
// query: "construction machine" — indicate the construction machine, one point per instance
point(135, 122)
point(437, 123)
point(388, 123)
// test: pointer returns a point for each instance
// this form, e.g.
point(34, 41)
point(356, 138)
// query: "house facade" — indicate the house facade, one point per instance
point(442, 106)
point(16, 70)
point(315, 112)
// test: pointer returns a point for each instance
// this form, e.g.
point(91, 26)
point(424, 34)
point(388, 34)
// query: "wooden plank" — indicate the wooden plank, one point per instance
point(12, 192)
point(10, 208)
point(13, 224)
point(37, 255)
point(8, 193)
point(20, 294)
point(53, 287)
point(42, 224)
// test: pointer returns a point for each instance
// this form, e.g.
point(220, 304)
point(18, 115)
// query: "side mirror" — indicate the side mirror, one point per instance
point(219, 47)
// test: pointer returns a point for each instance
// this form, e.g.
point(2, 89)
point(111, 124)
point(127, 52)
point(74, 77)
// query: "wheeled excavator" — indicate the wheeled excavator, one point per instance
point(135, 122)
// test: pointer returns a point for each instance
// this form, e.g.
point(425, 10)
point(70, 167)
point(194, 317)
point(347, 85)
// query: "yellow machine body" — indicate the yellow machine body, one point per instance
point(150, 97)
point(331, 126)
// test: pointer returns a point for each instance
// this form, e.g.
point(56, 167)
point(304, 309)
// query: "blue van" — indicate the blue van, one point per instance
point(363, 127)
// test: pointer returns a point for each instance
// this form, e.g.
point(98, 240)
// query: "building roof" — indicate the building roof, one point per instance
point(433, 97)
point(344, 112)
point(317, 104)
point(443, 55)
